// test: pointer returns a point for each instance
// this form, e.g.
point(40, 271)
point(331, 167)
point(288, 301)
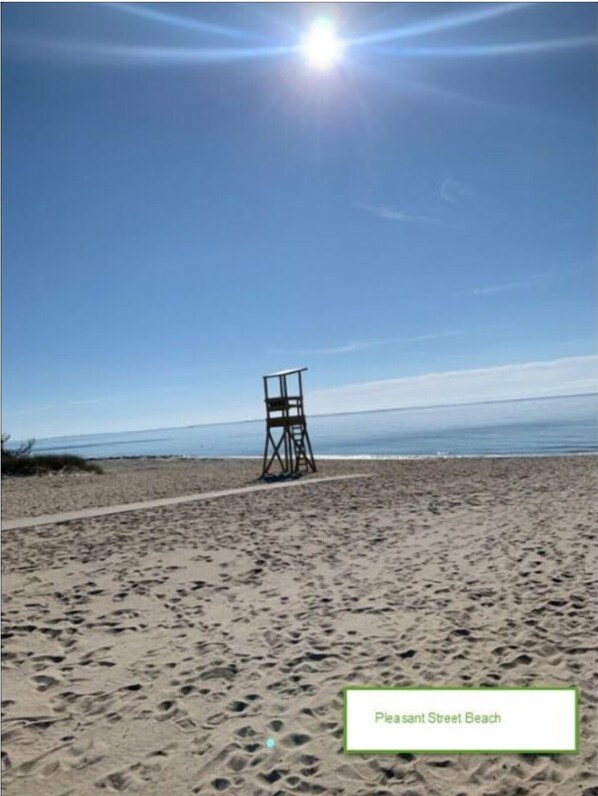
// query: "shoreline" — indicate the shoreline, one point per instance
point(344, 457)
point(364, 456)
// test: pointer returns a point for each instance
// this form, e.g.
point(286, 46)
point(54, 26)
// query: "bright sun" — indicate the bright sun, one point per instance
point(321, 48)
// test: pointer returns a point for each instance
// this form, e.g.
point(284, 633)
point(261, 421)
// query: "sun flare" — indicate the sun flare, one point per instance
point(321, 47)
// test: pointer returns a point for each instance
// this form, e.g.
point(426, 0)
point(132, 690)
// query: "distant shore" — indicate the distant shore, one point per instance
point(157, 651)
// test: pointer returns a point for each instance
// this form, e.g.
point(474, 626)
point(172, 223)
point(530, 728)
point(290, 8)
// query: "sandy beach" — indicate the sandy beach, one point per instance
point(155, 651)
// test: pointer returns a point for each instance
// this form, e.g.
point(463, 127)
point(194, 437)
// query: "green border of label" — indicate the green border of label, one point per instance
point(573, 688)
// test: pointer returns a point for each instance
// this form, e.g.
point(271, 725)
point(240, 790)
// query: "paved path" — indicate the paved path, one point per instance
point(101, 511)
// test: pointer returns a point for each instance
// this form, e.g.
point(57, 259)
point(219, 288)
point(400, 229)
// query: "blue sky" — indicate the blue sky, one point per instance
point(188, 203)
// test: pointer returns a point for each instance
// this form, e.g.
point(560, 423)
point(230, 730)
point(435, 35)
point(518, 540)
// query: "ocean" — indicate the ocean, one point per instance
point(540, 426)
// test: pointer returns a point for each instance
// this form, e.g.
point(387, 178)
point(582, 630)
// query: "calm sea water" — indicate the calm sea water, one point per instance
point(533, 427)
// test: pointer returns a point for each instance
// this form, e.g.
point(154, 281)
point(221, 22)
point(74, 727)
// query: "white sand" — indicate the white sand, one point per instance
point(155, 652)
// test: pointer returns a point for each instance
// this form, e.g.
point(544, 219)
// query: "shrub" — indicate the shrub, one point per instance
point(20, 461)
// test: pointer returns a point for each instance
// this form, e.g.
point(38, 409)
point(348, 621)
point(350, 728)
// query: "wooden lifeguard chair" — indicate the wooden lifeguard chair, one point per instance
point(285, 412)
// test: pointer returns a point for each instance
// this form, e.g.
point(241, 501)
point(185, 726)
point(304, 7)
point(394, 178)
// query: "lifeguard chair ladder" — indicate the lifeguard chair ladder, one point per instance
point(285, 414)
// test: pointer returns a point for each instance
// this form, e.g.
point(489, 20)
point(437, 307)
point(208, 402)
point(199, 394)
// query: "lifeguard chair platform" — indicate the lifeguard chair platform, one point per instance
point(285, 416)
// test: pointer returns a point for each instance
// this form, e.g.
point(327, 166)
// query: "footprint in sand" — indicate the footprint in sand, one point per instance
point(44, 681)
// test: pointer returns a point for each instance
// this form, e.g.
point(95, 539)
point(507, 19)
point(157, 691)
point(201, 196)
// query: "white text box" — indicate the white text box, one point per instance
point(461, 720)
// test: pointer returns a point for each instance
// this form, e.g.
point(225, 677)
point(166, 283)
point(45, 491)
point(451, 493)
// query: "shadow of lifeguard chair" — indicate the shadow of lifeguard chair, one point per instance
point(285, 415)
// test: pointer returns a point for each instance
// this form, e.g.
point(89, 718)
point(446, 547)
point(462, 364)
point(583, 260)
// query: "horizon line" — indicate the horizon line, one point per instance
point(320, 414)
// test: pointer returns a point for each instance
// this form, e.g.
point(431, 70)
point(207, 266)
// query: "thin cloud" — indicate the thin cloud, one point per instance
point(361, 345)
point(568, 224)
point(100, 400)
point(37, 410)
point(531, 281)
point(565, 376)
point(507, 286)
point(394, 214)
point(453, 191)
point(486, 291)
point(33, 410)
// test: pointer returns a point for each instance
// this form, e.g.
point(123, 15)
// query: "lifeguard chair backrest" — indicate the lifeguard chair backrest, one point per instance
point(277, 404)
